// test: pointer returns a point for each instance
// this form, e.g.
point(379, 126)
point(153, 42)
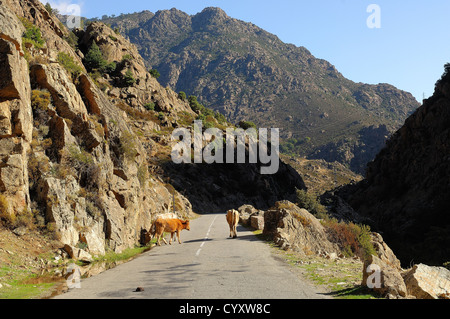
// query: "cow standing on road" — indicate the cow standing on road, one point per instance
point(233, 220)
point(170, 226)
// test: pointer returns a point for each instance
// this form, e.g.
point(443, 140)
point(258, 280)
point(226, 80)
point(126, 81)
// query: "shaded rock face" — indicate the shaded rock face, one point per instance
point(406, 191)
point(217, 188)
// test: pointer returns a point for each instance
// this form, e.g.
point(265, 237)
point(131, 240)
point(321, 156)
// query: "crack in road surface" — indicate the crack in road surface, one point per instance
point(221, 268)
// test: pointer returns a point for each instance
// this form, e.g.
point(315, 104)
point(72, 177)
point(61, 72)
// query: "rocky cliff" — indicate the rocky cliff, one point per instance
point(249, 74)
point(406, 191)
point(85, 137)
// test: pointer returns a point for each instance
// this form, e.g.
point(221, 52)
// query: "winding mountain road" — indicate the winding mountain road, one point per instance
point(208, 265)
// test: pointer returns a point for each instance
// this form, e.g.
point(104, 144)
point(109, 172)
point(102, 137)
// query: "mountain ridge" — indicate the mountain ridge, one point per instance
point(248, 73)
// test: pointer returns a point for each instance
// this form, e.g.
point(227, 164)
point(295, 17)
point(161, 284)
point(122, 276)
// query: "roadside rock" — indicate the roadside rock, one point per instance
point(257, 222)
point(383, 278)
point(294, 228)
point(78, 254)
point(425, 282)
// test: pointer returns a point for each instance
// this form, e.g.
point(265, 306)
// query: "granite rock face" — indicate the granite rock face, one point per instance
point(68, 153)
point(15, 116)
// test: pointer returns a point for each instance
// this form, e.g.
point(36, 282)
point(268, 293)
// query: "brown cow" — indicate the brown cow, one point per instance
point(233, 220)
point(150, 234)
point(170, 226)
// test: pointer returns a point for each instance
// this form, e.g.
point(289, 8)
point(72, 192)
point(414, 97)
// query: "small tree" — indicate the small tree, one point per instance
point(48, 7)
point(246, 125)
point(154, 73)
point(94, 58)
point(182, 96)
point(129, 79)
point(310, 203)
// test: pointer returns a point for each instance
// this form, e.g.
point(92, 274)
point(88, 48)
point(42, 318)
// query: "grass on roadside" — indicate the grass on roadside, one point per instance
point(123, 256)
point(23, 284)
point(340, 277)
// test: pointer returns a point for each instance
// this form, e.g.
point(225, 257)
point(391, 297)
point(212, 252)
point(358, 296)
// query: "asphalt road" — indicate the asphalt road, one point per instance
point(208, 265)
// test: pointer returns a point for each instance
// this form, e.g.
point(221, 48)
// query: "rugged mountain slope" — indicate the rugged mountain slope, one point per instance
point(407, 192)
point(85, 137)
point(71, 161)
point(249, 74)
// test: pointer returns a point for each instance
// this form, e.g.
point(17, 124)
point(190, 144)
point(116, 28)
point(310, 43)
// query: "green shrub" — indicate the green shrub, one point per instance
point(182, 96)
point(127, 57)
point(128, 146)
point(72, 39)
point(69, 64)
point(110, 67)
point(129, 80)
point(246, 125)
point(32, 34)
point(154, 73)
point(220, 117)
point(40, 99)
point(310, 203)
point(353, 239)
point(150, 106)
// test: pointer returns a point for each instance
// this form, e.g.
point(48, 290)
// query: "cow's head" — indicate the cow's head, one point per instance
point(186, 225)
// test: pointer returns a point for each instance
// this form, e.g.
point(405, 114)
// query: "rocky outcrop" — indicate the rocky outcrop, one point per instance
point(74, 158)
point(425, 282)
point(116, 49)
point(382, 271)
point(406, 191)
point(15, 117)
point(294, 228)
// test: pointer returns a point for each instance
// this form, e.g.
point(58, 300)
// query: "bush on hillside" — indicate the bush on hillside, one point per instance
point(310, 203)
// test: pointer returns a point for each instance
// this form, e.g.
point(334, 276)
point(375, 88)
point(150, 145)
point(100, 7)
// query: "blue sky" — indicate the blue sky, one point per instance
point(408, 51)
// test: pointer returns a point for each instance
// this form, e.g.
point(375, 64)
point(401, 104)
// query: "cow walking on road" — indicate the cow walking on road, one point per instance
point(170, 226)
point(233, 220)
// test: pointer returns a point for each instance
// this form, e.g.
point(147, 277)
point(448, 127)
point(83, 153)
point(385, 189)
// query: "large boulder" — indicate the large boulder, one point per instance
point(427, 282)
point(294, 228)
point(383, 278)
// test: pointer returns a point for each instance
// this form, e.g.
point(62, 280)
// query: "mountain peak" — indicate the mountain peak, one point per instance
point(210, 16)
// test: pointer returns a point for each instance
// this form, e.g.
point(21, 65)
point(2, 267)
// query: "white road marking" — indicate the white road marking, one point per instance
point(206, 238)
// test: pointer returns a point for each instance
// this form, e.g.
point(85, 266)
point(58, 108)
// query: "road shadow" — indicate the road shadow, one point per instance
point(198, 240)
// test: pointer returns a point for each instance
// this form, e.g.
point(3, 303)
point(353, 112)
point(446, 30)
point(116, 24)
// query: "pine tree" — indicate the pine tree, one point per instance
point(94, 58)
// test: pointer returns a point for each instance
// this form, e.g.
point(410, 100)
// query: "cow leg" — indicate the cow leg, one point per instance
point(178, 235)
point(171, 238)
point(234, 231)
point(158, 240)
